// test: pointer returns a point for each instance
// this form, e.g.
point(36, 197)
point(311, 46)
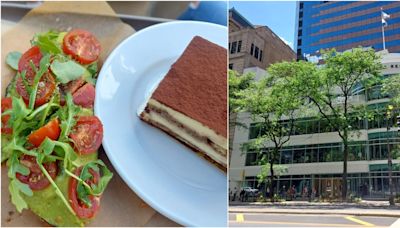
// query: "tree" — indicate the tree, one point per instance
point(237, 85)
point(331, 87)
point(272, 106)
point(391, 86)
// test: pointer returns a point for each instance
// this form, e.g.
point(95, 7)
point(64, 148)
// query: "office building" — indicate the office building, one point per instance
point(254, 48)
point(254, 45)
point(344, 25)
point(314, 156)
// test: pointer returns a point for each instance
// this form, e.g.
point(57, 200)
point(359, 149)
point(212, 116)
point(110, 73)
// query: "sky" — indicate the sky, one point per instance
point(277, 15)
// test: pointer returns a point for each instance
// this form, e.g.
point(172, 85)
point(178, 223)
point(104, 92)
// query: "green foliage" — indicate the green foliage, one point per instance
point(237, 86)
point(262, 176)
point(391, 86)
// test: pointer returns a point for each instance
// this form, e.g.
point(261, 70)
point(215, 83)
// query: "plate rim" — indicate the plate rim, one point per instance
point(124, 177)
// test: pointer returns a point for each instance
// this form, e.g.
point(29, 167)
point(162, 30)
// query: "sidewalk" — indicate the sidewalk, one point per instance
point(364, 208)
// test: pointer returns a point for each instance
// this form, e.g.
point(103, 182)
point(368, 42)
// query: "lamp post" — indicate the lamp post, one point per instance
point(388, 118)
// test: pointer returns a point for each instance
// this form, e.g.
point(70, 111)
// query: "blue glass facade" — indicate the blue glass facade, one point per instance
point(344, 25)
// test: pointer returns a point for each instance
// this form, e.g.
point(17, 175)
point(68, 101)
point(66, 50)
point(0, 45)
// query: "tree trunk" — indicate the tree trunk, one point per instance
point(391, 187)
point(271, 187)
point(345, 158)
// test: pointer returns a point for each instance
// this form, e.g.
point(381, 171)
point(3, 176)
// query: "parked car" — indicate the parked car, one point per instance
point(250, 189)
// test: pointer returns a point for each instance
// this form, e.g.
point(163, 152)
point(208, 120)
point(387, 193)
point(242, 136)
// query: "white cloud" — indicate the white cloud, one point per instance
point(290, 44)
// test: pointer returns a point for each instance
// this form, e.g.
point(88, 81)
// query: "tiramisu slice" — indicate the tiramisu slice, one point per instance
point(190, 103)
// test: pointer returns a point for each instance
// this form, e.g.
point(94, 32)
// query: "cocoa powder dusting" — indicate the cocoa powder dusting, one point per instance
point(196, 85)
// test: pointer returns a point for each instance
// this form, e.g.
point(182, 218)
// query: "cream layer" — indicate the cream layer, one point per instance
point(187, 129)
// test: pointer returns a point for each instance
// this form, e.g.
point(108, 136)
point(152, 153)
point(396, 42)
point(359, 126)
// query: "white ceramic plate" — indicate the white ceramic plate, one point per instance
point(166, 174)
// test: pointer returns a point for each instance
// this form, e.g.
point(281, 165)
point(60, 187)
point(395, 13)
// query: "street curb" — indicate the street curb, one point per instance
point(316, 213)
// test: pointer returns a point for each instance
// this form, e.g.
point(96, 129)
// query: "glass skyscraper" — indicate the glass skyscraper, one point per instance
point(344, 25)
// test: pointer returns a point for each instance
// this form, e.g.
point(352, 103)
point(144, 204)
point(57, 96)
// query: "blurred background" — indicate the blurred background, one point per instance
point(140, 14)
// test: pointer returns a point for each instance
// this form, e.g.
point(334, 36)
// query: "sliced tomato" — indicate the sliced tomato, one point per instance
point(34, 55)
point(45, 89)
point(85, 96)
point(6, 104)
point(73, 86)
point(87, 134)
point(80, 208)
point(82, 46)
point(36, 180)
point(51, 130)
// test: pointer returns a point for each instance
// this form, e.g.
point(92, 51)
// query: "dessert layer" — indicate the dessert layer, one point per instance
point(196, 85)
point(191, 132)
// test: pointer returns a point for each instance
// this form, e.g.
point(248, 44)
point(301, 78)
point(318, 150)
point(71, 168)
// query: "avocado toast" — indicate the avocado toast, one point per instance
point(49, 134)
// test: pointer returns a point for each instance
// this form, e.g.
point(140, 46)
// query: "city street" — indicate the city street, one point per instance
point(313, 220)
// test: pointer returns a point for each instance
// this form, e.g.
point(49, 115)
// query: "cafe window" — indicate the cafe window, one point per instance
point(239, 47)
point(256, 53)
point(233, 48)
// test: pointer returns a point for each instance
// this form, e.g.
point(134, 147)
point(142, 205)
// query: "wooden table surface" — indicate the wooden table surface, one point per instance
point(120, 205)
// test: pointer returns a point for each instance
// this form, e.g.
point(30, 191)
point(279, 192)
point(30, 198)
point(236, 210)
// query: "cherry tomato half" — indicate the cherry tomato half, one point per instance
point(33, 54)
point(81, 209)
point(46, 83)
point(36, 180)
point(6, 103)
point(85, 96)
point(51, 130)
point(87, 134)
point(45, 89)
point(82, 46)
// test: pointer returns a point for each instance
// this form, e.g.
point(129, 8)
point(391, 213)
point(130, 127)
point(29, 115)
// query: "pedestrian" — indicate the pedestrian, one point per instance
point(294, 192)
point(305, 192)
point(241, 195)
point(313, 194)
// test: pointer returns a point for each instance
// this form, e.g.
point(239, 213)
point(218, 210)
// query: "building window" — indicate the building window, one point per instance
point(261, 54)
point(252, 49)
point(300, 23)
point(256, 53)
point(229, 47)
point(233, 48)
point(301, 14)
point(231, 66)
point(299, 42)
point(239, 47)
point(301, 5)
point(300, 33)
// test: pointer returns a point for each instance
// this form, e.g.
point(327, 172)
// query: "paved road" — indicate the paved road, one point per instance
point(285, 220)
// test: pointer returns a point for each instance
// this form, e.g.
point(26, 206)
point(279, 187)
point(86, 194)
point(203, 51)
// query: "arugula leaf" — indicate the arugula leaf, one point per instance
point(10, 90)
point(84, 190)
point(15, 166)
point(92, 68)
point(19, 112)
point(67, 71)
point(12, 59)
point(48, 42)
point(15, 188)
point(43, 67)
point(5, 140)
point(67, 117)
